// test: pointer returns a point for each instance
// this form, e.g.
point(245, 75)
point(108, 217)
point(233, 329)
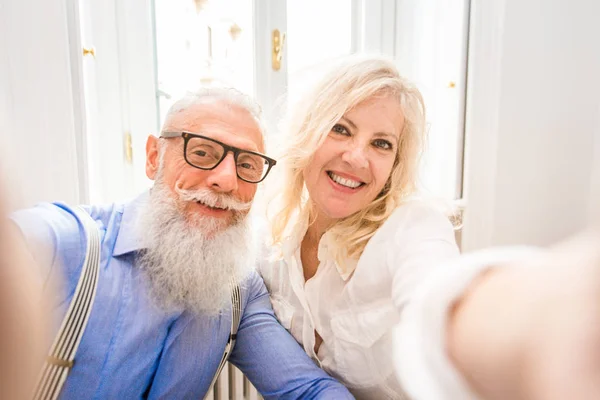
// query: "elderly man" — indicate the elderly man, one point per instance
point(162, 314)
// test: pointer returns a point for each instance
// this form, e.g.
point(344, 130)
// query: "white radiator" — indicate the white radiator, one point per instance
point(232, 385)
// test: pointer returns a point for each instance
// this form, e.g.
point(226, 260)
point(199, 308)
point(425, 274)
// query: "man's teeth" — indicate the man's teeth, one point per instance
point(344, 182)
point(208, 205)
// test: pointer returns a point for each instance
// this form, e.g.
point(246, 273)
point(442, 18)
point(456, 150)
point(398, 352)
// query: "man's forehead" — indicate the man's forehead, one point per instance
point(228, 123)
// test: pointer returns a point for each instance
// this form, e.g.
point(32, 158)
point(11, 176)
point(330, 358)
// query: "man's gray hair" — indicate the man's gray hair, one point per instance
point(228, 95)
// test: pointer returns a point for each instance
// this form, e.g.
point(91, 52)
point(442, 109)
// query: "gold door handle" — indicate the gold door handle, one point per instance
point(89, 51)
point(128, 148)
point(278, 41)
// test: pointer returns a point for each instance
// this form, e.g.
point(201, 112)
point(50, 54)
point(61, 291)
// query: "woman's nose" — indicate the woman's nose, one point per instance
point(356, 157)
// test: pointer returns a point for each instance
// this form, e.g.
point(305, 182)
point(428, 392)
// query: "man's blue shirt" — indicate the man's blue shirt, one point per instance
point(132, 349)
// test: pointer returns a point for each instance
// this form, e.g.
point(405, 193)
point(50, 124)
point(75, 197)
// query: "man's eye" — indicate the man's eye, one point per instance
point(248, 162)
point(382, 144)
point(340, 129)
point(246, 166)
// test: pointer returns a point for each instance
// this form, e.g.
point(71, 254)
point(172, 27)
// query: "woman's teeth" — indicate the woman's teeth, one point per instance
point(343, 181)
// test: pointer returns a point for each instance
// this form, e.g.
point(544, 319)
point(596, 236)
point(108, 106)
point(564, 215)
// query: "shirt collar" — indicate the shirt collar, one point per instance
point(127, 238)
point(291, 246)
point(325, 253)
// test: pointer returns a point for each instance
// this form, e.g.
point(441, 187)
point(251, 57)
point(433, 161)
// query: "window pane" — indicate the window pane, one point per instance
point(202, 43)
point(317, 31)
point(431, 51)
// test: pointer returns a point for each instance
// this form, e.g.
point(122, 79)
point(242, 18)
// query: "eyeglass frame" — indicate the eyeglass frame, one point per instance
point(227, 148)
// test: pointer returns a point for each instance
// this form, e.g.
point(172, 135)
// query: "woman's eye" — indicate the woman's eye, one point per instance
point(383, 144)
point(340, 129)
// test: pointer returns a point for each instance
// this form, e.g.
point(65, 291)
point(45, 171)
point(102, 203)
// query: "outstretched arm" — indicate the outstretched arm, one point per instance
point(531, 328)
point(505, 323)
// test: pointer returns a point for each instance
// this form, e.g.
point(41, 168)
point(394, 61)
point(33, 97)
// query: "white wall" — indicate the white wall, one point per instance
point(37, 125)
point(594, 203)
point(533, 111)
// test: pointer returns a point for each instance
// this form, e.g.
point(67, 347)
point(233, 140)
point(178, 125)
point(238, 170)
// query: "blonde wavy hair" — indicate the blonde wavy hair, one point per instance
point(351, 81)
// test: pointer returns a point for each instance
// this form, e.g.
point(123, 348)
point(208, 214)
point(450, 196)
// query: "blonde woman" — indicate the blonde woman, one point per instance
point(352, 240)
point(368, 280)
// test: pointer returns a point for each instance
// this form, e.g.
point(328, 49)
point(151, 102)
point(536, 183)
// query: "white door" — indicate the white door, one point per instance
point(119, 95)
point(109, 165)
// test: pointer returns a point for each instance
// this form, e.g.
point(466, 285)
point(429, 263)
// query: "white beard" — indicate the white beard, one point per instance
point(189, 265)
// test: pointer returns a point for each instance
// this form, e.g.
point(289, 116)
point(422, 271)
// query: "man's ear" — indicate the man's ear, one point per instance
point(152, 157)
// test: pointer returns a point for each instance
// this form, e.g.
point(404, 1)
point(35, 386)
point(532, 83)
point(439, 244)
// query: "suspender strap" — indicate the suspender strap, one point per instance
point(236, 315)
point(62, 353)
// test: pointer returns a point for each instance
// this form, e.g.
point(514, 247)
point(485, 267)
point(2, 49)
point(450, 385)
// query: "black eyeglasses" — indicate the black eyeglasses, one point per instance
point(205, 153)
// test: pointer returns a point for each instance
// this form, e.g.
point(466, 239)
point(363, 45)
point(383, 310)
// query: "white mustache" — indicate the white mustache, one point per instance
point(212, 199)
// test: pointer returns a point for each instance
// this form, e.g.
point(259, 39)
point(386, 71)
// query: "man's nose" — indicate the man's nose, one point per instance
point(224, 177)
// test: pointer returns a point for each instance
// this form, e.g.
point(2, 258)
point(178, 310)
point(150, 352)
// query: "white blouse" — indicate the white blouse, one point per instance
point(355, 312)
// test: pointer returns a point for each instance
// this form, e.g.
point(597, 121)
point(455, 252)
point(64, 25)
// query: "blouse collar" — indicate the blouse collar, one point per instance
point(292, 242)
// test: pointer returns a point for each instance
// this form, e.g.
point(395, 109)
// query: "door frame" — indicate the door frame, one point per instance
point(484, 89)
point(79, 112)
